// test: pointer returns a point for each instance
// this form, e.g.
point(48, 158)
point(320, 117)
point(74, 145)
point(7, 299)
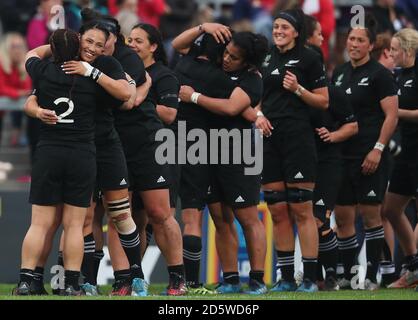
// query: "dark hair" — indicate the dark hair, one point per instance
point(253, 46)
point(296, 18)
point(370, 26)
point(154, 37)
point(65, 45)
point(94, 25)
point(310, 25)
point(382, 42)
point(111, 24)
point(212, 49)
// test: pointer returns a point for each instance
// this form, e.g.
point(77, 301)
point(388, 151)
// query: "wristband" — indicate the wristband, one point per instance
point(260, 113)
point(96, 74)
point(299, 90)
point(89, 68)
point(379, 146)
point(194, 97)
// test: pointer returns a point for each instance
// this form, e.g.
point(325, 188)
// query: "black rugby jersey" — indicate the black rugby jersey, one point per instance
point(338, 113)
point(72, 97)
point(165, 87)
point(408, 99)
point(252, 84)
point(278, 102)
point(144, 114)
point(365, 86)
point(105, 129)
point(206, 78)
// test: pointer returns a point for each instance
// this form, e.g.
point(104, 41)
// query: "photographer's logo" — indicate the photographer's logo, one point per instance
point(58, 280)
point(358, 21)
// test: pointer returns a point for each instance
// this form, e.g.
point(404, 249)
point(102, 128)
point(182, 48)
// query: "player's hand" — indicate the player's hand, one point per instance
point(185, 94)
point(81, 68)
point(325, 135)
point(371, 162)
point(47, 116)
point(290, 82)
point(264, 125)
point(220, 32)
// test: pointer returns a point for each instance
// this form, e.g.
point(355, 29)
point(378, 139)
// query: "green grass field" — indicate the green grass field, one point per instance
point(155, 290)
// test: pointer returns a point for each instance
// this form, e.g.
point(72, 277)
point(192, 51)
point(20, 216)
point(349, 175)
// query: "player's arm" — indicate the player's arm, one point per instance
point(120, 89)
point(32, 109)
point(142, 90)
point(234, 105)
point(166, 114)
point(408, 115)
point(128, 105)
point(184, 41)
point(39, 52)
point(346, 131)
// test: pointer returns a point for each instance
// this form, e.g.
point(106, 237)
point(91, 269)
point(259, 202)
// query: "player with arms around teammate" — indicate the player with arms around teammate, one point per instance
point(64, 166)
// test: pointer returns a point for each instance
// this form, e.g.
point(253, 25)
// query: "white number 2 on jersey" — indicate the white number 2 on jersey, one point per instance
point(70, 109)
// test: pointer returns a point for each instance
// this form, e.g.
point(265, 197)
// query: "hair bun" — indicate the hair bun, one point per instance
point(88, 15)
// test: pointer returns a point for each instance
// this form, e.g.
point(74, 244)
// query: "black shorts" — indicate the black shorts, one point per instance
point(194, 185)
point(404, 178)
point(327, 183)
point(62, 175)
point(357, 188)
point(290, 155)
point(230, 185)
point(112, 172)
point(137, 203)
point(140, 147)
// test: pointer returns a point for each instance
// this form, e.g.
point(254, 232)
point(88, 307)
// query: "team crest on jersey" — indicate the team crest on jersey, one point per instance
point(291, 63)
point(364, 82)
point(408, 83)
point(266, 61)
point(339, 80)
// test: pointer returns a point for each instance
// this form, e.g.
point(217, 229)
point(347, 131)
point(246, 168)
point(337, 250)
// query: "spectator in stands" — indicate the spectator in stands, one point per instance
point(390, 17)
point(149, 11)
point(14, 81)
point(323, 10)
point(176, 21)
point(15, 15)
point(127, 15)
point(257, 13)
point(73, 10)
point(410, 8)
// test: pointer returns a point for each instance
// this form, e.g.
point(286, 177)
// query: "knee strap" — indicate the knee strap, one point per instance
point(272, 197)
point(296, 195)
point(120, 213)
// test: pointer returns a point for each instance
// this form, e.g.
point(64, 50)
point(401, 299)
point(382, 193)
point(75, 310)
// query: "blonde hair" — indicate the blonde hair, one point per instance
point(408, 40)
point(5, 44)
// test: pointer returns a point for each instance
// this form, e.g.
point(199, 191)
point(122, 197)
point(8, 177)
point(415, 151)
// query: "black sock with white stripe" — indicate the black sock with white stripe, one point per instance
point(131, 245)
point(38, 276)
point(26, 275)
point(328, 253)
point(286, 264)
point(87, 267)
point(192, 252)
point(231, 277)
point(347, 248)
point(387, 266)
point(375, 238)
